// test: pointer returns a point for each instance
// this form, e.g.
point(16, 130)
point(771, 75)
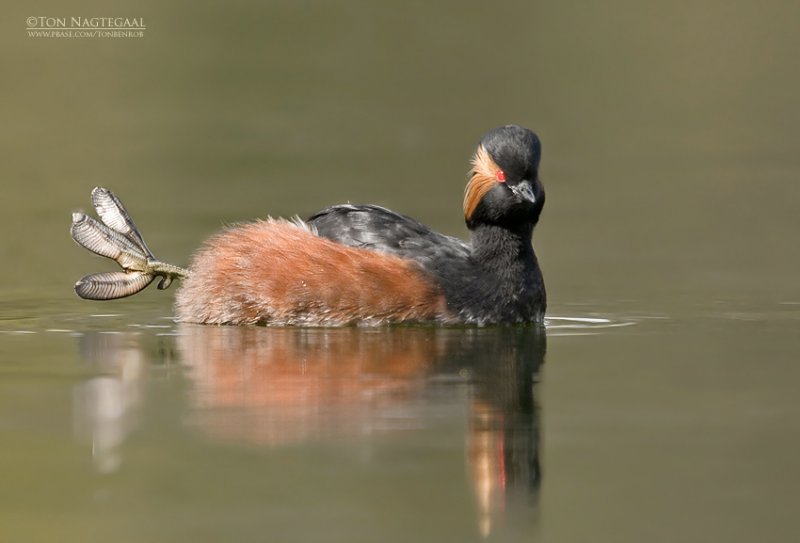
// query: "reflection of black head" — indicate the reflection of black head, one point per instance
point(504, 365)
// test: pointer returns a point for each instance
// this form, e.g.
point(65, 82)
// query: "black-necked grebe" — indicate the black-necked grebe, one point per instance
point(351, 263)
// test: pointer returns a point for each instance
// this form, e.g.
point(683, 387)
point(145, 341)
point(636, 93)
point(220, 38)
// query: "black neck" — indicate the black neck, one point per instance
point(509, 285)
point(502, 249)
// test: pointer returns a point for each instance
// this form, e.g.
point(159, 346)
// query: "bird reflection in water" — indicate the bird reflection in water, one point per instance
point(271, 387)
point(504, 430)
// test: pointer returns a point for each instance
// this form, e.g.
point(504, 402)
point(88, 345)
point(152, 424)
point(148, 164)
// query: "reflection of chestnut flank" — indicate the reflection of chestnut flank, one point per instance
point(352, 263)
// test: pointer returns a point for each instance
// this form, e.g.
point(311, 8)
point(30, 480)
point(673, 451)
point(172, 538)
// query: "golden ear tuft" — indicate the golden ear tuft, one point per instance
point(482, 179)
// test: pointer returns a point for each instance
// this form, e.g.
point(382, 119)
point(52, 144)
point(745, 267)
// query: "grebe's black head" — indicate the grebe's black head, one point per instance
point(504, 186)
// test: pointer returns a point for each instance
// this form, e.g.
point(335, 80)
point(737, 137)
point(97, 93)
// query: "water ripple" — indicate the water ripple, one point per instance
point(583, 326)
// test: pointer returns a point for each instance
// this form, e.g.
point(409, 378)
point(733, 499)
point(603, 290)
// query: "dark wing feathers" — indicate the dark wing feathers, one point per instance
point(379, 229)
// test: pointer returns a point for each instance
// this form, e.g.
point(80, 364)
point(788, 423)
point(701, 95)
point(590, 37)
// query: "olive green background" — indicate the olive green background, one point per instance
point(670, 161)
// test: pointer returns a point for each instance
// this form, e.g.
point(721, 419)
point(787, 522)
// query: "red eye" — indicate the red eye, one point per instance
point(501, 176)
